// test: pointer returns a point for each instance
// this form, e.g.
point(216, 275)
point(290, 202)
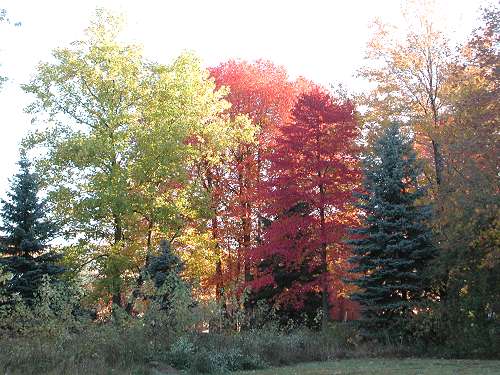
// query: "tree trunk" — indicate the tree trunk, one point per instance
point(436, 148)
point(438, 162)
point(244, 239)
point(218, 265)
point(150, 235)
point(324, 261)
point(118, 235)
point(246, 245)
point(247, 224)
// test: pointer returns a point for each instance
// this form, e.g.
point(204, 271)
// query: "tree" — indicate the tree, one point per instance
point(264, 93)
point(288, 286)
point(24, 250)
point(393, 248)
point(466, 273)
point(409, 67)
point(308, 200)
point(213, 168)
point(120, 147)
point(91, 94)
point(164, 271)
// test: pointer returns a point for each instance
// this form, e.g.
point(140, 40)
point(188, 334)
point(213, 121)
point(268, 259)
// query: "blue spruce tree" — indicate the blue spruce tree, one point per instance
point(165, 272)
point(393, 248)
point(23, 250)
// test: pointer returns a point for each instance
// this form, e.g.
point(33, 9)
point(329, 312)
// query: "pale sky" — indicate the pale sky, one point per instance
point(321, 40)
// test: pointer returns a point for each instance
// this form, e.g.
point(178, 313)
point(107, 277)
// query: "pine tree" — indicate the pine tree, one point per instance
point(164, 271)
point(394, 247)
point(24, 251)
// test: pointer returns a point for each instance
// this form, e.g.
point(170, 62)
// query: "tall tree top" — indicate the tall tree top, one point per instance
point(23, 214)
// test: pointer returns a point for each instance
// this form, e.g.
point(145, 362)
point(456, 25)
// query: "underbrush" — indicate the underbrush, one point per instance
point(255, 349)
point(101, 348)
point(56, 336)
point(96, 350)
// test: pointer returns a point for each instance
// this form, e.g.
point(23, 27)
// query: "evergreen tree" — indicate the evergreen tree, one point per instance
point(24, 250)
point(393, 247)
point(164, 271)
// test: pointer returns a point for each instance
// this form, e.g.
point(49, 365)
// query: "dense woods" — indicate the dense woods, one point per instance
point(235, 200)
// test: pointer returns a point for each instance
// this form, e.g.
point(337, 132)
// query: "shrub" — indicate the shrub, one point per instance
point(455, 331)
point(52, 337)
point(181, 353)
point(53, 312)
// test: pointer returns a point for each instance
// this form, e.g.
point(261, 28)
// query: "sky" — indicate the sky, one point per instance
point(323, 40)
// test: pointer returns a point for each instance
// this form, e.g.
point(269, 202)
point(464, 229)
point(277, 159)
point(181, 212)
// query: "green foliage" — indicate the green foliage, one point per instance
point(181, 351)
point(467, 278)
point(260, 348)
point(121, 146)
point(132, 152)
point(51, 337)
point(393, 248)
point(55, 311)
point(23, 251)
point(62, 337)
point(94, 350)
point(466, 274)
point(92, 92)
point(180, 317)
point(230, 359)
point(24, 215)
point(267, 347)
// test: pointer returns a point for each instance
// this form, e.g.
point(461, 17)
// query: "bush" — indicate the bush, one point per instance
point(128, 346)
point(181, 353)
point(218, 353)
point(53, 313)
point(53, 337)
point(231, 359)
point(455, 331)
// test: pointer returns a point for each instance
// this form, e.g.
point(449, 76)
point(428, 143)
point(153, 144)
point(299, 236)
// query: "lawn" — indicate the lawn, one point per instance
point(386, 367)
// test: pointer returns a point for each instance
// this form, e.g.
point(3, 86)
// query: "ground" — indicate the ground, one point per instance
point(387, 367)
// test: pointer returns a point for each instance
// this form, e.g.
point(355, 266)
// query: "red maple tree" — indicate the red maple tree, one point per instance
point(308, 195)
point(264, 92)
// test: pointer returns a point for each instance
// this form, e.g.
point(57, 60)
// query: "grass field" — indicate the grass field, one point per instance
point(387, 367)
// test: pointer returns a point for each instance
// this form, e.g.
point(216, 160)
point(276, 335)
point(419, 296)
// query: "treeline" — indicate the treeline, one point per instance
point(268, 192)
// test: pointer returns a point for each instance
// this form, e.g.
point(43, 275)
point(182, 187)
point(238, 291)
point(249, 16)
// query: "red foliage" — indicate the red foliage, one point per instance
point(343, 309)
point(262, 91)
point(313, 165)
